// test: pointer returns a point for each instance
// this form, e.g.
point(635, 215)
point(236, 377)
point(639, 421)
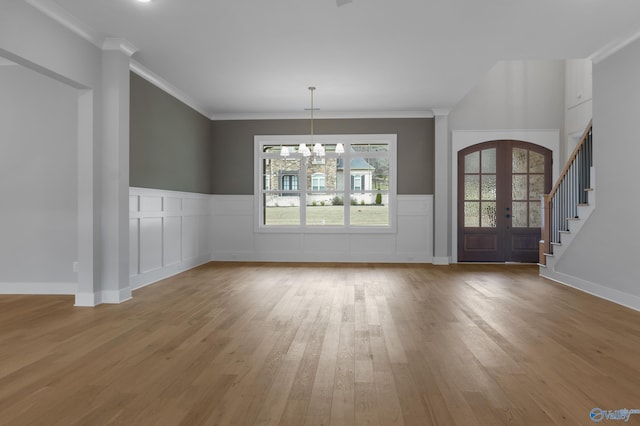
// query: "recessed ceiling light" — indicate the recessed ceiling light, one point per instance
point(144, 1)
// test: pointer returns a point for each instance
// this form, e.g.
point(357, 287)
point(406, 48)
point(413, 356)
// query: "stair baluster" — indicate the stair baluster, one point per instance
point(570, 190)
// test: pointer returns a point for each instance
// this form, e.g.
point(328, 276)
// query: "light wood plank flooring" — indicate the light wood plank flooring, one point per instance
point(315, 344)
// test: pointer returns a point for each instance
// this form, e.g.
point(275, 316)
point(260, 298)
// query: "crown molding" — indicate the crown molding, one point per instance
point(66, 19)
point(69, 21)
point(321, 115)
point(163, 84)
point(441, 112)
point(112, 43)
point(4, 62)
point(612, 47)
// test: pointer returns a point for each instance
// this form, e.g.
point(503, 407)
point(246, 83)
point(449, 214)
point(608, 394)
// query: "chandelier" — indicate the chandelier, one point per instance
point(318, 148)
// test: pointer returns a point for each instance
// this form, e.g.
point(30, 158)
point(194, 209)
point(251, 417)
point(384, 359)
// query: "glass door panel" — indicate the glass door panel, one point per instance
point(480, 189)
point(499, 189)
point(527, 185)
point(530, 178)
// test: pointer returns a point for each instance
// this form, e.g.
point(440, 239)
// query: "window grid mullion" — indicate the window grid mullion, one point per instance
point(305, 186)
point(347, 185)
point(302, 187)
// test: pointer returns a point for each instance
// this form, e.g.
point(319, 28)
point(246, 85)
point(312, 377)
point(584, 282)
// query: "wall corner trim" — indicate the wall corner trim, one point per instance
point(612, 47)
point(114, 43)
point(439, 112)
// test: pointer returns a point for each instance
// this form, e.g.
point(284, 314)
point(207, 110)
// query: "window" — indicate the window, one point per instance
point(290, 182)
point(318, 181)
point(353, 191)
point(356, 182)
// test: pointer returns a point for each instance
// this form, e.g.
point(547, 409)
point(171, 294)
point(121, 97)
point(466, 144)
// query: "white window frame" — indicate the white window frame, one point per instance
point(357, 187)
point(289, 178)
point(317, 178)
point(260, 141)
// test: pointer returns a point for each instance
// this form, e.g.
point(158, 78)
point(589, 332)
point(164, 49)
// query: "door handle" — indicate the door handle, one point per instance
point(507, 216)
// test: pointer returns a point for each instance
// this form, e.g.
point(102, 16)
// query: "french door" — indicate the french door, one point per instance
point(499, 208)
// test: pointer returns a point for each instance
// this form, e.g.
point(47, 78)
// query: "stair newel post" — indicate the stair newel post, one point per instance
point(545, 242)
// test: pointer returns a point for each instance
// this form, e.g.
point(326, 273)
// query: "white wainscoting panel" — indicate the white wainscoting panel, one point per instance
point(234, 237)
point(134, 241)
point(415, 227)
point(171, 240)
point(327, 244)
point(150, 244)
point(169, 232)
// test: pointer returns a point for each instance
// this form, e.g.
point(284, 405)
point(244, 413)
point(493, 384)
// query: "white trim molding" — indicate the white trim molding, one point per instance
point(164, 85)
point(261, 193)
point(113, 43)
point(54, 11)
point(116, 296)
point(169, 232)
point(612, 47)
point(87, 300)
point(441, 112)
point(320, 115)
point(621, 298)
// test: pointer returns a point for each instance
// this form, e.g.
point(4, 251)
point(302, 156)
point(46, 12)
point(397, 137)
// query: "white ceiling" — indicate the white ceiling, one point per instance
point(242, 57)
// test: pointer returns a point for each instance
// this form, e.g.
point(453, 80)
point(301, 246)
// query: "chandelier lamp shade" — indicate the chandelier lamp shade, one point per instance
point(318, 149)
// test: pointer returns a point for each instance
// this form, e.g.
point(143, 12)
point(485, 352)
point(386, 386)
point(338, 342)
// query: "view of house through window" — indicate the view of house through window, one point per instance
point(298, 191)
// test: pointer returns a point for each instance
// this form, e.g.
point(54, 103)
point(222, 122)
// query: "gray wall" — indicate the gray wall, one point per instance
point(38, 178)
point(606, 250)
point(233, 141)
point(170, 143)
point(515, 95)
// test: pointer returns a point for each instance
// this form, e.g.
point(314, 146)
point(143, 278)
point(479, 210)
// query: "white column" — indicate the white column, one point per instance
point(115, 171)
point(442, 196)
point(89, 228)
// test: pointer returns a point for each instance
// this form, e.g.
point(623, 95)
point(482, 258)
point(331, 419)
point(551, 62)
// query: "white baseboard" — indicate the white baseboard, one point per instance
point(116, 296)
point(277, 256)
point(39, 288)
point(88, 299)
point(107, 296)
point(619, 297)
point(148, 278)
point(441, 260)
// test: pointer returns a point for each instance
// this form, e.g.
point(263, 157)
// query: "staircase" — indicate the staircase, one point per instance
point(569, 204)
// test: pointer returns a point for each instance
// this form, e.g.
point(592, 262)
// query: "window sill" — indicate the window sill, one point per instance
point(325, 230)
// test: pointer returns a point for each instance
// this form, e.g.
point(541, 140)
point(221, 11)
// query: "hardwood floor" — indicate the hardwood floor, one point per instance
point(244, 344)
